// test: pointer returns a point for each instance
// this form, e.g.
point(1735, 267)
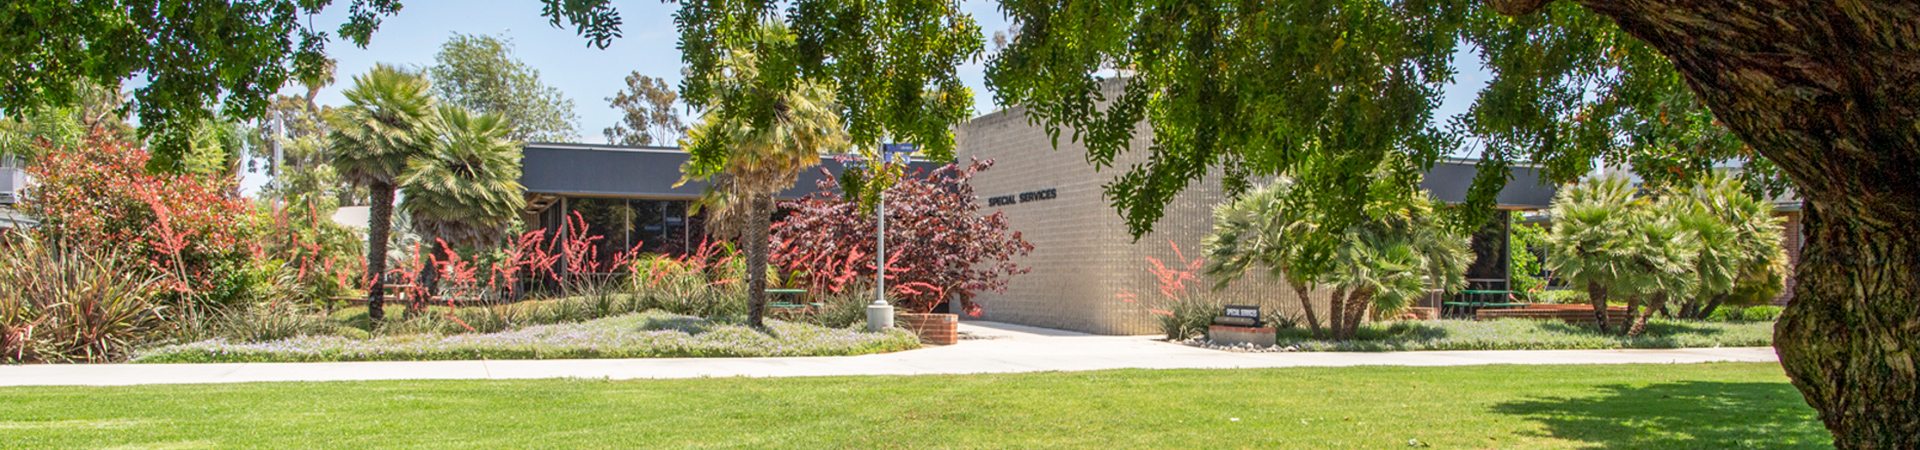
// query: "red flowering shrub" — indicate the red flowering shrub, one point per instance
point(191, 230)
point(939, 246)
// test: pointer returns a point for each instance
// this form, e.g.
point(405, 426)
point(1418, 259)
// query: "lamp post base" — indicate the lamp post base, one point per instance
point(879, 316)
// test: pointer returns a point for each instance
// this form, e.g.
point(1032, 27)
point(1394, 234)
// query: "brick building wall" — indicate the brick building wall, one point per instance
point(1083, 258)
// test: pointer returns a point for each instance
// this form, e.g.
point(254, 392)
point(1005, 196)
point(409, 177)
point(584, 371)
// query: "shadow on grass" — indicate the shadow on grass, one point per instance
point(690, 325)
point(1690, 414)
point(1398, 332)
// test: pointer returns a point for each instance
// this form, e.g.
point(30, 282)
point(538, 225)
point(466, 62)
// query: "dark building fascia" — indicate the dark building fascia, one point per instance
point(591, 170)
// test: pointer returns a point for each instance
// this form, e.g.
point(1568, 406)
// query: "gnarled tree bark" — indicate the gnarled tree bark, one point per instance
point(1830, 92)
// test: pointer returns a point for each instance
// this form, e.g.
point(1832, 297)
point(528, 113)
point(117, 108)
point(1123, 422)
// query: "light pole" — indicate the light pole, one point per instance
point(880, 313)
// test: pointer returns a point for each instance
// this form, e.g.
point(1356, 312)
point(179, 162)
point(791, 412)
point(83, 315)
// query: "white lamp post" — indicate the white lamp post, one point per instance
point(880, 313)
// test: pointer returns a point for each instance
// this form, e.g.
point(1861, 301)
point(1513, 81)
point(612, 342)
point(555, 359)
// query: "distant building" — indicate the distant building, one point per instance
point(13, 181)
point(1090, 275)
point(625, 195)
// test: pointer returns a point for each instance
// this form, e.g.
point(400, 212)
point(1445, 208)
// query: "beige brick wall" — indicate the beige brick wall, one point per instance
point(1083, 258)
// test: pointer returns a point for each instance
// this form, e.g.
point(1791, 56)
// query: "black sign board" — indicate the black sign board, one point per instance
point(1023, 197)
point(1250, 312)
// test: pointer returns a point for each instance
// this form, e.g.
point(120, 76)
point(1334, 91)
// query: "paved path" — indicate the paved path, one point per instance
point(1001, 348)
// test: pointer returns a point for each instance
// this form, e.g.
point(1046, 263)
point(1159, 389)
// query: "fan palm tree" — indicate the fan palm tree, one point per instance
point(1384, 262)
point(760, 138)
point(1259, 228)
point(1607, 238)
point(372, 139)
point(466, 190)
point(1740, 250)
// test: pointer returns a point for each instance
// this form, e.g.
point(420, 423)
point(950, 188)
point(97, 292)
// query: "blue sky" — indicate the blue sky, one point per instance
point(588, 75)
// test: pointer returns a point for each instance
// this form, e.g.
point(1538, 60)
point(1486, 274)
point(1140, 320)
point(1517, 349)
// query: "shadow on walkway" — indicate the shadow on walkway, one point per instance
point(1683, 415)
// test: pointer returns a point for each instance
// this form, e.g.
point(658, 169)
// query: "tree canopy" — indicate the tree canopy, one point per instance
point(893, 64)
point(1261, 89)
point(197, 56)
point(480, 72)
point(648, 117)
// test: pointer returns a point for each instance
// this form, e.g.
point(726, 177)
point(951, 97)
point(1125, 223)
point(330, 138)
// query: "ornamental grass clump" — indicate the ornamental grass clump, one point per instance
point(69, 306)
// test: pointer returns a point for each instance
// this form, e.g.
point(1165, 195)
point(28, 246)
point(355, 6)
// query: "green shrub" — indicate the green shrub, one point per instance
point(1187, 317)
point(1559, 296)
point(1765, 313)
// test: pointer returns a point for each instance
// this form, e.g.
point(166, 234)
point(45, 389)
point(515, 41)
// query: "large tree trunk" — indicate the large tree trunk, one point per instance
point(379, 224)
point(1597, 296)
point(1306, 304)
point(1830, 92)
point(754, 240)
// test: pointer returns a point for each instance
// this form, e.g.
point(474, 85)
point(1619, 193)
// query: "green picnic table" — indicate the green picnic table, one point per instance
point(792, 294)
point(1468, 305)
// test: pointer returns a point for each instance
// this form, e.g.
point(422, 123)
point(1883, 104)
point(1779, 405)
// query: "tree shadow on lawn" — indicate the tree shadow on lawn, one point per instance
point(1689, 414)
point(1655, 328)
point(695, 326)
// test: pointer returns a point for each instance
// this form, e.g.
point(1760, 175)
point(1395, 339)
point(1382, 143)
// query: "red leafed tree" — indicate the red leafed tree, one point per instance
point(101, 197)
point(939, 245)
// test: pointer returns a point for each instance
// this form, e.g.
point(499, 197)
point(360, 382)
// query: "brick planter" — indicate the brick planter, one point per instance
point(1231, 335)
point(937, 329)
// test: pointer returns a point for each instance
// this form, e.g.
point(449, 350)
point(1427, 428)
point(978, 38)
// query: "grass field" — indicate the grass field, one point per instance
point(1613, 407)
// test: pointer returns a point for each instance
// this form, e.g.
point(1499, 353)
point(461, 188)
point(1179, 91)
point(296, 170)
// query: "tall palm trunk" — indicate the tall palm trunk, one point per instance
point(1657, 303)
point(1306, 304)
point(379, 224)
point(1597, 296)
point(756, 236)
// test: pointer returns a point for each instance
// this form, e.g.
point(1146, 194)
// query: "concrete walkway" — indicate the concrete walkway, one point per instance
point(994, 348)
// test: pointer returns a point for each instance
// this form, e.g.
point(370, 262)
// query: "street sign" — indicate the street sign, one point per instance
point(897, 152)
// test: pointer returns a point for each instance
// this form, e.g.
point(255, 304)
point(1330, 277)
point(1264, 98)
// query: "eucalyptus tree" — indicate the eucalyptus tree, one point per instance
point(465, 190)
point(758, 160)
point(481, 73)
point(647, 113)
point(1821, 90)
point(373, 137)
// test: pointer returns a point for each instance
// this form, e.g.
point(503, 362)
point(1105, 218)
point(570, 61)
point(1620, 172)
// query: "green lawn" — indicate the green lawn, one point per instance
point(1520, 334)
point(1613, 407)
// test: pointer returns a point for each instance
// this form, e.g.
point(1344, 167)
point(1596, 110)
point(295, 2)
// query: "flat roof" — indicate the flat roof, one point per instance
point(1526, 188)
point(596, 170)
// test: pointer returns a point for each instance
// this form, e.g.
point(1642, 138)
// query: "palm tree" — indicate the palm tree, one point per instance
point(466, 190)
point(760, 138)
point(1259, 228)
point(1608, 238)
point(1740, 250)
point(1383, 262)
point(372, 140)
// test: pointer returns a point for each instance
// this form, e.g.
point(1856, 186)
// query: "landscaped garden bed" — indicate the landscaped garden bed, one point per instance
point(652, 334)
point(1517, 334)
